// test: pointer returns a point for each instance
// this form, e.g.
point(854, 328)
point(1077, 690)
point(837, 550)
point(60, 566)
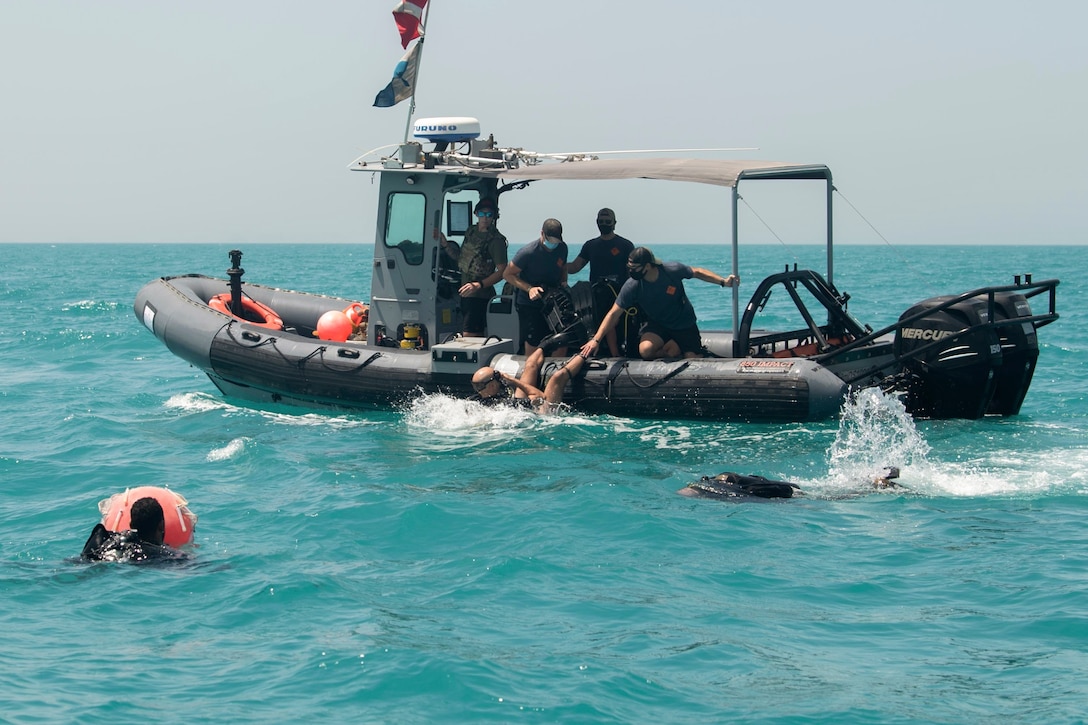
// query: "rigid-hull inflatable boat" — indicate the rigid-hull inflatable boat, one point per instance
point(960, 356)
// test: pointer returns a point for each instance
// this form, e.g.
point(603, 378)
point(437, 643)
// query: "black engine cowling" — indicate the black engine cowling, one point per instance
point(1019, 351)
point(954, 375)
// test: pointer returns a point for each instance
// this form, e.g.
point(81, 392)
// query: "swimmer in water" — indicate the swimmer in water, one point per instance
point(493, 387)
point(144, 542)
point(737, 485)
point(887, 478)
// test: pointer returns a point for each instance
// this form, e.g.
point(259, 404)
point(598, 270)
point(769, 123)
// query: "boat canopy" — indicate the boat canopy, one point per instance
point(717, 172)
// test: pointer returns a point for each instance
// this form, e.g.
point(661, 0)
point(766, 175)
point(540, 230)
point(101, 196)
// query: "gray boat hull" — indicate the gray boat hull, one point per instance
point(291, 366)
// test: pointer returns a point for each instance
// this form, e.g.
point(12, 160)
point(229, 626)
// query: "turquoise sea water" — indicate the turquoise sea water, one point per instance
point(445, 563)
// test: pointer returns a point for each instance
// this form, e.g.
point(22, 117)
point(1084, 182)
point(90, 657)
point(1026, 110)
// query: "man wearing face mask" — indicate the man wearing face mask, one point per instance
point(658, 288)
point(537, 268)
point(607, 259)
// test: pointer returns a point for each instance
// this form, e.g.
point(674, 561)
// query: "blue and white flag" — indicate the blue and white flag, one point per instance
point(404, 80)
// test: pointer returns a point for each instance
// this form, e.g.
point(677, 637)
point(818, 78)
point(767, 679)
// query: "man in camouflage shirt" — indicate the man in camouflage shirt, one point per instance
point(481, 259)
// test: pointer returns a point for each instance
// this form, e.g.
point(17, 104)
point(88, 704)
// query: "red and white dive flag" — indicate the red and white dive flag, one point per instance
point(407, 15)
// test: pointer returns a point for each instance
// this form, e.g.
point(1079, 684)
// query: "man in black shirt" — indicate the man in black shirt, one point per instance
point(606, 256)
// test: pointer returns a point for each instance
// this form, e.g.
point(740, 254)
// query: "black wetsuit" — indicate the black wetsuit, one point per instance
point(126, 546)
point(735, 485)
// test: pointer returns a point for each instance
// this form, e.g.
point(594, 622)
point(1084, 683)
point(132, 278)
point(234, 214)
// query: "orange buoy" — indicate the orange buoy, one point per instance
point(334, 325)
point(180, 521)
point(252, 311)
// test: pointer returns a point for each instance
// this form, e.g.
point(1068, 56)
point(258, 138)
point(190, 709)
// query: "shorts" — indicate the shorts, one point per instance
point(474, 315)
point(688, 339)
point(534, 327)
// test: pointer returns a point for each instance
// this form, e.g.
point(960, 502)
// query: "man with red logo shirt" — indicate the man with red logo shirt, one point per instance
point(658, 289)
point(538, 268)
point(606, 256)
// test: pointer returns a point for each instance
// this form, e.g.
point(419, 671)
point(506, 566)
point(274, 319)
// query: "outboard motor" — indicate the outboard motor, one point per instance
point(1019, 350)
point(954, 376)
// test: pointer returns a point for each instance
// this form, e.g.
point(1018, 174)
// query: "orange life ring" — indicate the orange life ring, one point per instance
point(252, 311)
point(180, 521)
point(357, 312)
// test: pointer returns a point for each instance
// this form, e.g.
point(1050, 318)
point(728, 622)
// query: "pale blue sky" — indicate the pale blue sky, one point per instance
point(234, 120)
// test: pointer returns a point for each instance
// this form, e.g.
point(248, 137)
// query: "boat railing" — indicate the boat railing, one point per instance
point(1028, 289)
point(840, 325)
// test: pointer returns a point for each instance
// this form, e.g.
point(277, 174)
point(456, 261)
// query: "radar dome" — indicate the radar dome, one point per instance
point(451, 129)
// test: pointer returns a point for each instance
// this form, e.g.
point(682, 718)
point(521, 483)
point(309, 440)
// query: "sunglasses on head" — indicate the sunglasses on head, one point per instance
point(487, 214)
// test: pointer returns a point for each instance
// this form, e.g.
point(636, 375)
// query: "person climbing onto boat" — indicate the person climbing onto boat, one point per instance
point(658, 289)
point(144, 542)
point(493, 387)
point(537, 268)
point(606, 256)
point(482, 258)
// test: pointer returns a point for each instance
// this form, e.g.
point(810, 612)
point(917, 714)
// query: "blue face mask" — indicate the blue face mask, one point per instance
point(550, 245)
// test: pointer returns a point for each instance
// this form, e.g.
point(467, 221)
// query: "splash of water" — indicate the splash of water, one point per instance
point(875, 432)
point(450, 423)
point(197, 403)
point(438, 412)
point(231, 450)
